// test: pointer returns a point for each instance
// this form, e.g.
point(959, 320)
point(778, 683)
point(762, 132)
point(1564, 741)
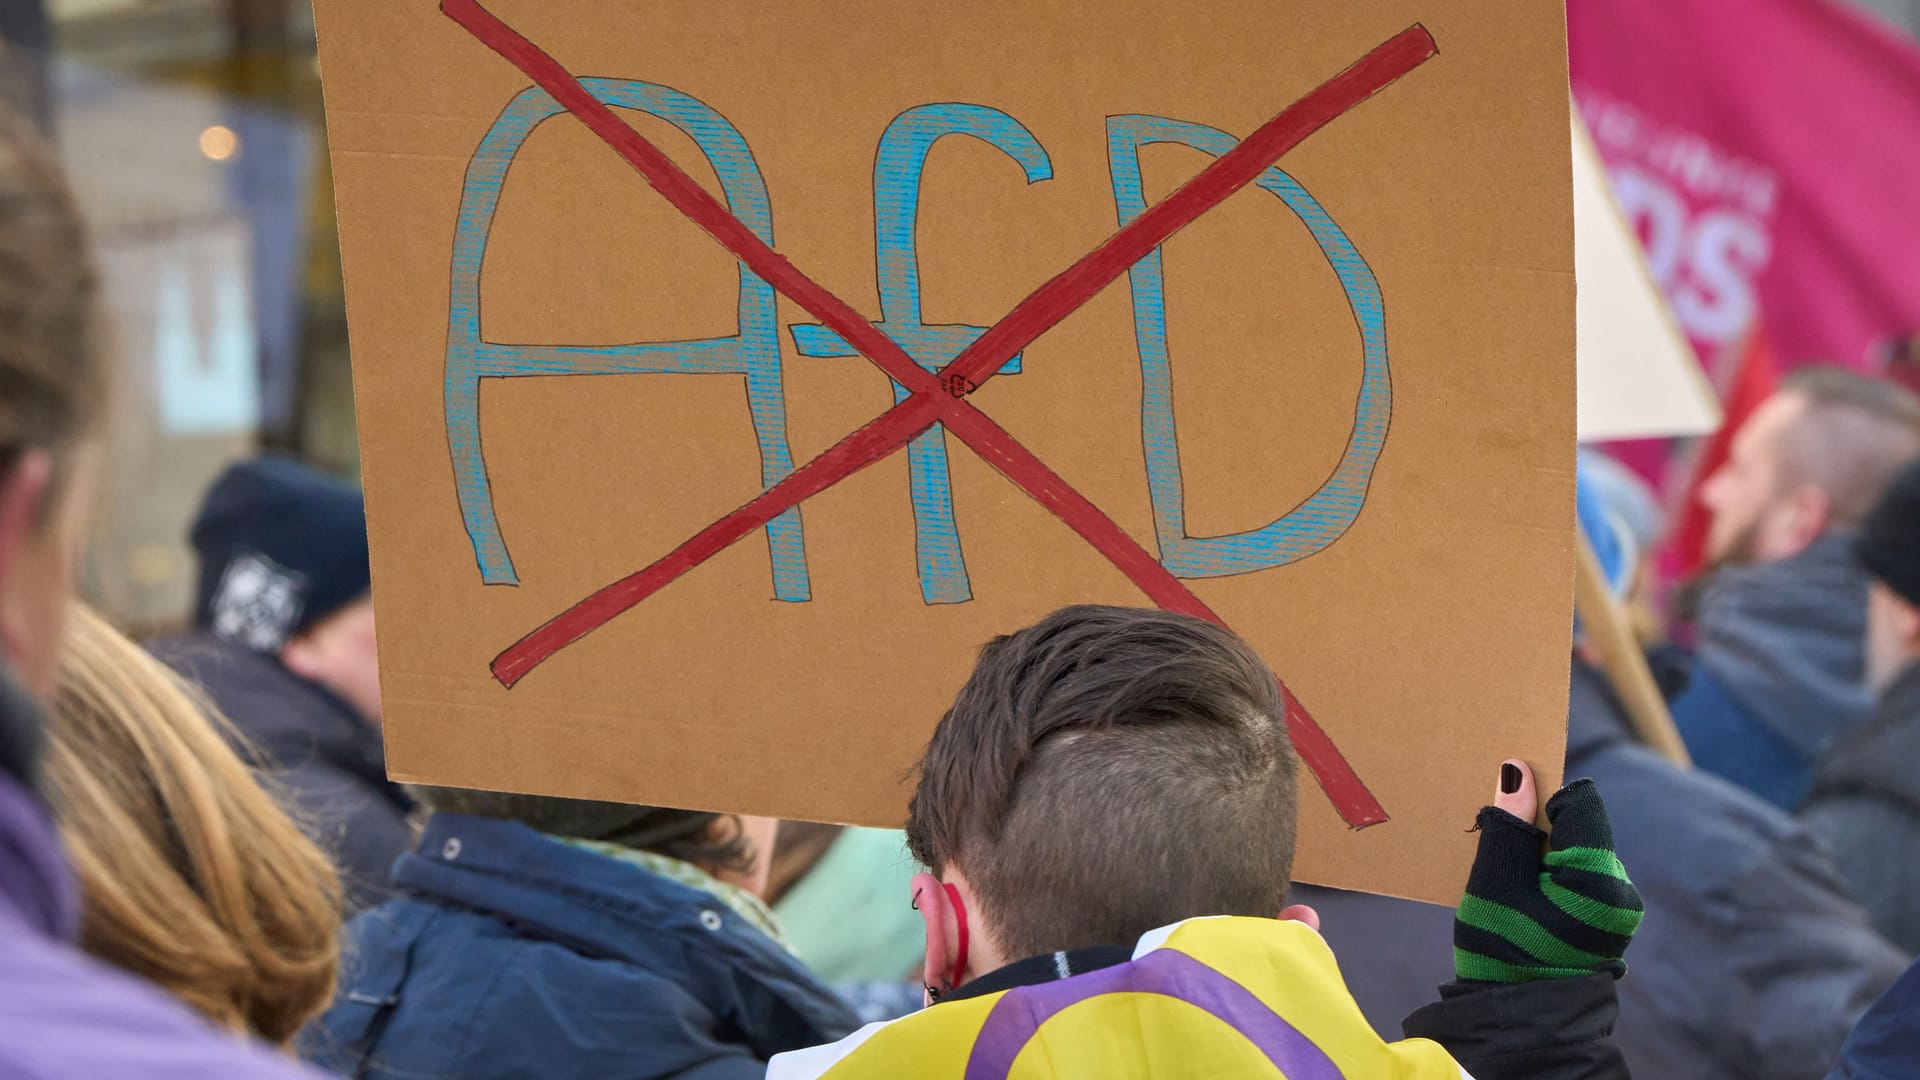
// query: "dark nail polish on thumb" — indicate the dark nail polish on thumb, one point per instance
point(1509, 778)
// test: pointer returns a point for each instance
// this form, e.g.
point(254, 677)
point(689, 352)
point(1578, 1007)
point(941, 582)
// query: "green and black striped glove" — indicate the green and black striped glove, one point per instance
point(1559, 915)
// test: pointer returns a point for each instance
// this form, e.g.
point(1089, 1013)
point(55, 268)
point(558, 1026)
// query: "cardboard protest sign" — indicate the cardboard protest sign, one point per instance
point(689, 478)
point(1638, 376)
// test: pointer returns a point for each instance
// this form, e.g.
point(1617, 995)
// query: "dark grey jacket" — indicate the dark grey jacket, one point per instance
point(1753, 962)
point(326, 760)
point(1865, 804)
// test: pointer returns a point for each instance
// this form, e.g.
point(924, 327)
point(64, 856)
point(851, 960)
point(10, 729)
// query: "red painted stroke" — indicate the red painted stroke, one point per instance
point(1225, 175)
point(931, 400)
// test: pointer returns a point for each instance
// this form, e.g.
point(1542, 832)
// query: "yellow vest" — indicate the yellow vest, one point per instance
point(1205, 998)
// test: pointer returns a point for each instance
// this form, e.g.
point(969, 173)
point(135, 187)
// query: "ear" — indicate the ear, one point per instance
point(23, 489)
point(23, 494)
point(1713, 491)
point(936, 913)
point(298, 655)
point(1811, 513)
point(1301, 913)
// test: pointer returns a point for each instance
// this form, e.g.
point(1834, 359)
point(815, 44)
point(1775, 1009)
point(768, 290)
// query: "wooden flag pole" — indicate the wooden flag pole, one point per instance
point(1620, 656)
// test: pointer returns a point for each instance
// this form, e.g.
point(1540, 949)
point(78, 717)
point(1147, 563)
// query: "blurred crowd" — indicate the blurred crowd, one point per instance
point(205, 871)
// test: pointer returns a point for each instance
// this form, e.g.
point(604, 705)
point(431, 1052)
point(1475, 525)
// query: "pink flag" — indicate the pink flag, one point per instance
point(1769, 153)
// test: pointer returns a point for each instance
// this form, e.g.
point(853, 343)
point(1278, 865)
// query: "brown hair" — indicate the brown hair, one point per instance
point(193, 878)
point(1855, 435)
point(797, 848)
point(1107, 771)
point(52, 371)
point(712, 842)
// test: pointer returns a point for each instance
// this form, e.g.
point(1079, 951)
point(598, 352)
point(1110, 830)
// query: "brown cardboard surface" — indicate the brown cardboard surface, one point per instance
point(1428, 640)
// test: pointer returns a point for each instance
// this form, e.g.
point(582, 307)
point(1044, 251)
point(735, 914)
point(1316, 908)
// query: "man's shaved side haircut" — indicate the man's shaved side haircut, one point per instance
point(1856, 433)
point(1108, 771)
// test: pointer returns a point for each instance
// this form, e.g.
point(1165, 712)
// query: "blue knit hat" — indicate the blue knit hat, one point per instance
point(281, 547)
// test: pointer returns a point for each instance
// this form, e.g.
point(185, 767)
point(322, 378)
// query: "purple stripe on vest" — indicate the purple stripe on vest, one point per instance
point(1016, 1018)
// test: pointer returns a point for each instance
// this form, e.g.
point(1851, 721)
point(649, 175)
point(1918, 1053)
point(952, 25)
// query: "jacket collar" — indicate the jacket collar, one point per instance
point(1046, 968)
point(281, 713)
point(738, 900)
point(600, 908)
point(1786, 638)
point(593, 904)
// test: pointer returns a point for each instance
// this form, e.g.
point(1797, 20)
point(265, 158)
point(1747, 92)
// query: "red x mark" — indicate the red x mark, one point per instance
point(940, 397)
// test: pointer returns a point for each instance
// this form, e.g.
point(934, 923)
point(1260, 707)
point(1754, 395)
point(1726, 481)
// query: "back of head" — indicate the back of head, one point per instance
point(281, 546)
point(688, 835)
point(52, 371)
point(52, 385)
point(193, 878)
point(1854, 434)
point(1108, 771)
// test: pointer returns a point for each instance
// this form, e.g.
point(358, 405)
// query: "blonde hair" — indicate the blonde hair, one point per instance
point(194, 879)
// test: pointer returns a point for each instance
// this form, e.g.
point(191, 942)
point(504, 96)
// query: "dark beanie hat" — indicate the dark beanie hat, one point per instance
point(1889, 544)
point(281, 547)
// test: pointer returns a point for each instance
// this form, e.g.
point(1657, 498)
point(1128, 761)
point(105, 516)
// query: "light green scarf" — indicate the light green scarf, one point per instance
point(740, 901)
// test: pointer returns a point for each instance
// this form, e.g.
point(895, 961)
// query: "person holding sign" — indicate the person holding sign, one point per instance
point(1107, 813)
point(1740, 898)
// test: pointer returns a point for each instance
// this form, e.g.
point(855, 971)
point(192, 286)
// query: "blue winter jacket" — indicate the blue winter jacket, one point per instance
point(511, 954)
point(1780, 670)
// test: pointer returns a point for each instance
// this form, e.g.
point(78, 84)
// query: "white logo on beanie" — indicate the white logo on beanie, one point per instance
point(258, 602)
